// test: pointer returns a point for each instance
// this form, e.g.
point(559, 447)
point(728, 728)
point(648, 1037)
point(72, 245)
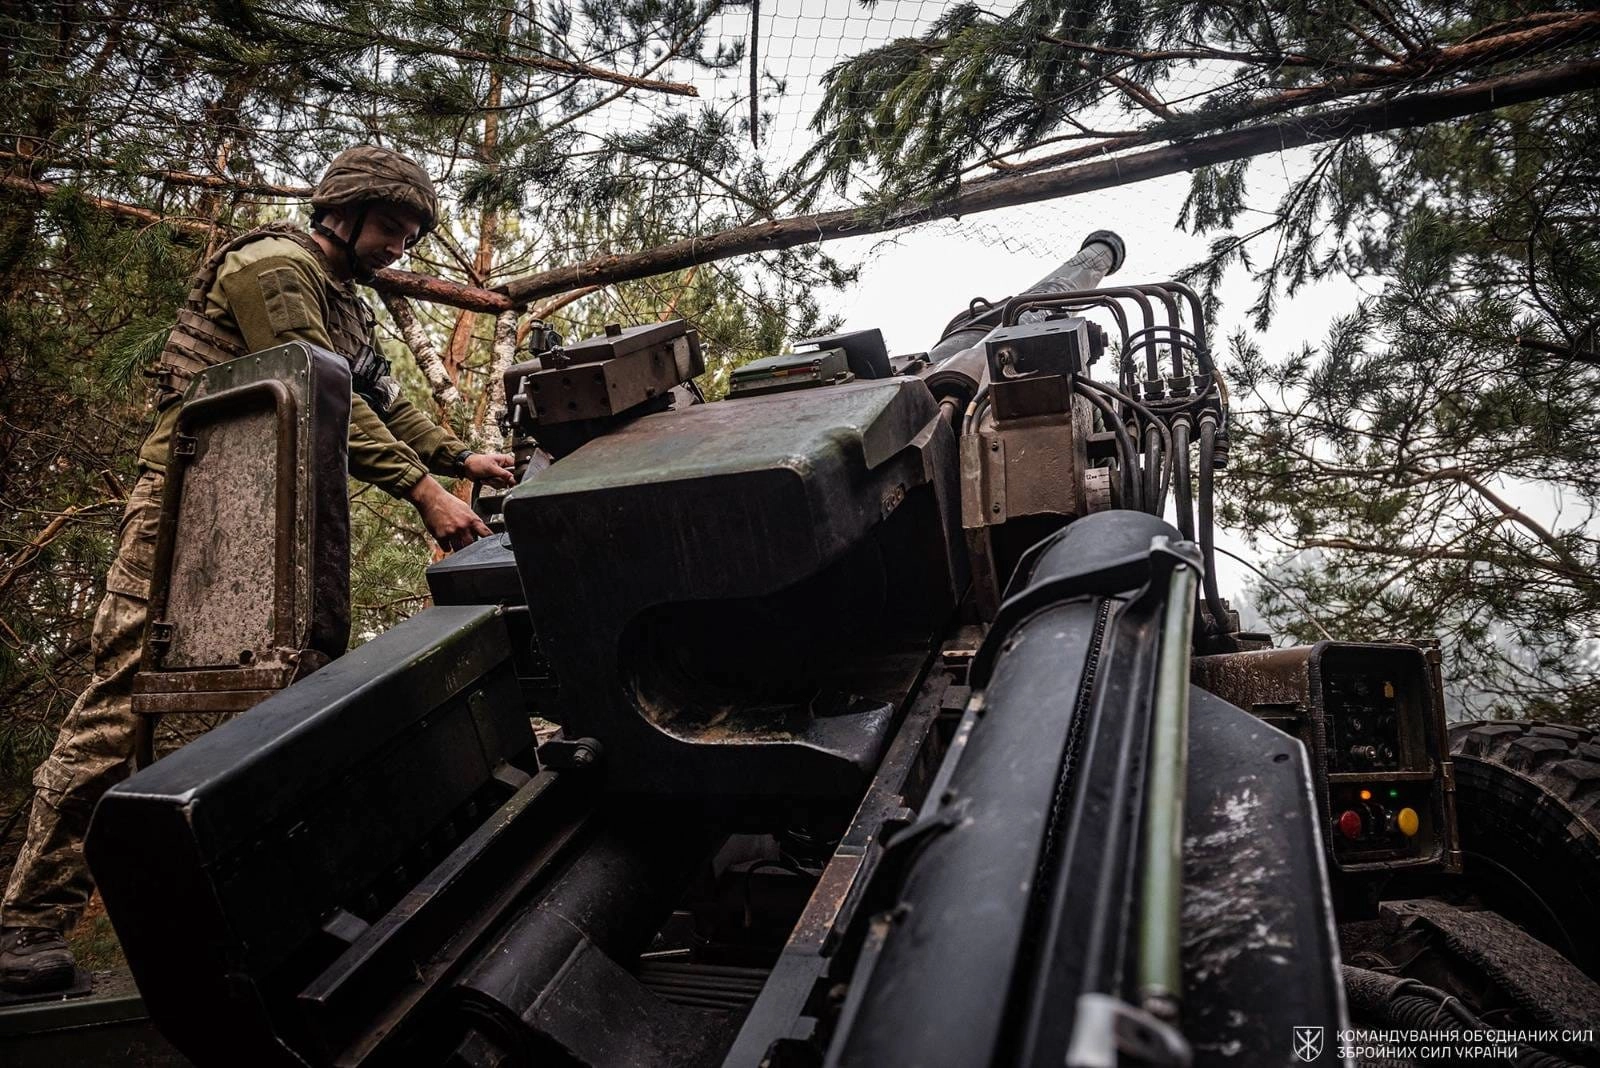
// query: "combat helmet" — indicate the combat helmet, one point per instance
point(371, 174)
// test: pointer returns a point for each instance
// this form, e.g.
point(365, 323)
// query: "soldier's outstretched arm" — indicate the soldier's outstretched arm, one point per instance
point(278, 300)
point(378, 457)
point(441, 451)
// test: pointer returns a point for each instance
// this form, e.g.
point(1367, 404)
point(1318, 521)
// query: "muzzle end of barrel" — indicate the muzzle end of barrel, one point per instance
point(1110, 239)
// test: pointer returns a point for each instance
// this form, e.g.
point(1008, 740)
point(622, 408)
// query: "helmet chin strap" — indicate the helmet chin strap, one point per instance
point(353, 263)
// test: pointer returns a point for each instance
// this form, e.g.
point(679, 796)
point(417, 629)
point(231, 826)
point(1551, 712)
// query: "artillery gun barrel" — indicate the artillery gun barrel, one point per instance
point(958, 367)
point(1101, 254)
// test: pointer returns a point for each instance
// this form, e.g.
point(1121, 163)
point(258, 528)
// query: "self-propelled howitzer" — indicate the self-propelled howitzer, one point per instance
point(873, 715)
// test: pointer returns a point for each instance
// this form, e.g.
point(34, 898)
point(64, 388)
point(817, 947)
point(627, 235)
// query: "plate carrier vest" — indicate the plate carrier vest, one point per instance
point(197, 342)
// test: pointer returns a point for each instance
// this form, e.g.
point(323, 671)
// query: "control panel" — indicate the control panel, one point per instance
point(1371, 715)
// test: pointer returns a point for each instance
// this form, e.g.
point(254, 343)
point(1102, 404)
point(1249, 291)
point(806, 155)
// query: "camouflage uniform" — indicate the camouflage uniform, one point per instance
point(266, 287)
point(50, 884)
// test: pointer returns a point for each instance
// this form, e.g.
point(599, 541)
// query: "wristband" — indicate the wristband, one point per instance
point(461, 459)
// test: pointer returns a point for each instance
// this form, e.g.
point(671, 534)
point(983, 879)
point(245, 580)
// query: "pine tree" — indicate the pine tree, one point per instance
point(1381, 473)
point(135, 135)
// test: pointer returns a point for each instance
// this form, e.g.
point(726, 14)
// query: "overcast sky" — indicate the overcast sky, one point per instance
point(912, 283)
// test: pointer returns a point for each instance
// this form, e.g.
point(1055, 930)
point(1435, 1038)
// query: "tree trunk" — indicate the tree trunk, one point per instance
point(1416, 109)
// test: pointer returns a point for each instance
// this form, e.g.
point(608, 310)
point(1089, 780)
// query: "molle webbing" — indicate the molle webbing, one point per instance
point(197, 342)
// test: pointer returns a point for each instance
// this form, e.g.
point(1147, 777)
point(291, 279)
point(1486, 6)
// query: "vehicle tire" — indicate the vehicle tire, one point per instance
point(1528, 805)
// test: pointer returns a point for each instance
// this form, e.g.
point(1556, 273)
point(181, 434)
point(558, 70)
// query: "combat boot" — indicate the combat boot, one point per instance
point(34, 960)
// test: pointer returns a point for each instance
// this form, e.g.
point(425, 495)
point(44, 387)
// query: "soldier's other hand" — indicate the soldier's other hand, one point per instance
point(451, 521)
point(494, 468)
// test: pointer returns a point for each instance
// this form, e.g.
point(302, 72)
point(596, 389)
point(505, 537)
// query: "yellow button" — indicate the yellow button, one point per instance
point(1407, 821)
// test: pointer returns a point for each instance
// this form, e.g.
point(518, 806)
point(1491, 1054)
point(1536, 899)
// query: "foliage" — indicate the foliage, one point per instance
point(134, 135)
point(1442, 477)
point(1421, 472)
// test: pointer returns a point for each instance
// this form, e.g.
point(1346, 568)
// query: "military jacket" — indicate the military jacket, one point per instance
point(271, 286)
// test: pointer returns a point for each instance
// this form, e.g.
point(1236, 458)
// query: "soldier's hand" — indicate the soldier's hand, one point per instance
point(494, 468)
point(451, 521)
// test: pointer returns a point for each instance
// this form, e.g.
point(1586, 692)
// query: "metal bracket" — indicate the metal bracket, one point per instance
point(1107, 1032)
point(570, 754)
point(161, 632)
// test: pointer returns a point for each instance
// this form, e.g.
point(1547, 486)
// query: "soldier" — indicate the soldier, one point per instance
point(269, 286)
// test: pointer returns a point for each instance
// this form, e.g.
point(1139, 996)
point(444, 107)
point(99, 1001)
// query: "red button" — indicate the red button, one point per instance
point(1350, 824)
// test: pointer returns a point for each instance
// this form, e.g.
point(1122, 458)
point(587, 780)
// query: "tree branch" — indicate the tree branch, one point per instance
point(544, 63)
point(1520, 41)
point(424, 351)
point(1007, 191)
point(44, 190)
point(403, 283)
point(184, 178)
point(1536, 345)
point(1409, 552)
point(1518, 516)
point(30, 552)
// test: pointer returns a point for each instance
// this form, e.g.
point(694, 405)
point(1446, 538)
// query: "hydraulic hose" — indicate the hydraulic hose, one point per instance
point(1155, 432)
point(1175, 321)
point(1182, 495)
point(1208, 449)
point(1203, 353)
point(1128, 468)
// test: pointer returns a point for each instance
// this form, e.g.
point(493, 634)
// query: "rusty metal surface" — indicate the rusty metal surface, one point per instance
point(1022, 476)
point(1361, 741)
point(1269, 683)
point(594, 390)
point(154, 703)
point(229, 525)
point(250, 587)
point(604, 376)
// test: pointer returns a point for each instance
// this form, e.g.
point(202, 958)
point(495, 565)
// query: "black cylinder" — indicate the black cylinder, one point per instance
point(614, 895)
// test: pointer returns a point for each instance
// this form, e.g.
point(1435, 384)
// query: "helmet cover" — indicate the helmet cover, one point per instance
point(370, 173)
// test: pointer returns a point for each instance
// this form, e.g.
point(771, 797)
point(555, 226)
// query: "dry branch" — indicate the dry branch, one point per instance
point(171, 177)
point(440, 291)
point(1412, 110)
point(548, 307)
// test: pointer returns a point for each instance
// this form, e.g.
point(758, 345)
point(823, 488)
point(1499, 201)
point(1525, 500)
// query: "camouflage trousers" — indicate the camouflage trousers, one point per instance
point(50, 883)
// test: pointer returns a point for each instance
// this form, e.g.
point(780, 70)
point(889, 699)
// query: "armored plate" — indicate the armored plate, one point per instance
point(726, 529)
point(251, 575)
point(733, 496)
point(270, 857)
